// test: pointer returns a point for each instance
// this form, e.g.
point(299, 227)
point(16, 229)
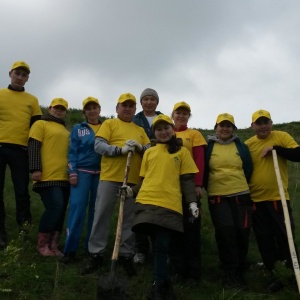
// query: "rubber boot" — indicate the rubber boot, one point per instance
point(44, 244)
point(54, 243)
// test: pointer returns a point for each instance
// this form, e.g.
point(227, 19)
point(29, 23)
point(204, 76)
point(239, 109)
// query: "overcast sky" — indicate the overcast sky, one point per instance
point(234, 56)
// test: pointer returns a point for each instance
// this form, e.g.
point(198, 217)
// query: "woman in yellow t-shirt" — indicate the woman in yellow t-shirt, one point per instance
point(186, 255)
point(48, 163)
point(167, 172)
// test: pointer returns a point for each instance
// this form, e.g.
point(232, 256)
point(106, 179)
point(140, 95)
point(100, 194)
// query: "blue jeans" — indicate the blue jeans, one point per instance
point(55, 200)
point(83, 195)
point(17, 160)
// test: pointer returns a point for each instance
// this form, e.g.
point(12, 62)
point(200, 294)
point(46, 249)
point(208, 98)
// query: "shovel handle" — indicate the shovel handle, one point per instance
point(287, 221)
point(115, 253)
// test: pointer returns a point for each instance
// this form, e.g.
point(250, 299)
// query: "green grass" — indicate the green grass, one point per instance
point(26, 275)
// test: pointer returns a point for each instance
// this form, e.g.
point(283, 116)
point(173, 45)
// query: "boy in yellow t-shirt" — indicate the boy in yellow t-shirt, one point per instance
point(19, 110)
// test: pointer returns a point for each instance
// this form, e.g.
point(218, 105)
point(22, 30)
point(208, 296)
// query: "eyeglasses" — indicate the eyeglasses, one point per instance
point(263, 122)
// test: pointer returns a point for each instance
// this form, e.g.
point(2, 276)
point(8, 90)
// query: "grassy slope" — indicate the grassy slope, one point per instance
point(26, 275)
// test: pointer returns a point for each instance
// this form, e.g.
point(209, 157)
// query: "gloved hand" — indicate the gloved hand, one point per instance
point(194, 209)
point(125, 149)
point(134, 143)
point(128, 191)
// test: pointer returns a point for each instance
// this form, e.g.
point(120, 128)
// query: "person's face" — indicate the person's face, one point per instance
point(149, 104)
point(18, 78)
point(163, 132)
point(180, 117)
point(262, 127)
point(224, 130)
point(126, 110)
point(57, 111)
point(92, 111)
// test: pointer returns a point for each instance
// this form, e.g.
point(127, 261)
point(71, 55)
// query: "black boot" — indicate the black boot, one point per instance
point(127, 263)
point(3, 239)
point(161, 291)
point(156, 292)
point(95, 262)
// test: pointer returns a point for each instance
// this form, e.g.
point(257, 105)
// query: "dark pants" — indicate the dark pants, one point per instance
point(55, 200)
point(186, 247)
point(142, 244)
point(17, 160)
point(160, 239)
point(270, 232)
point(232, 219)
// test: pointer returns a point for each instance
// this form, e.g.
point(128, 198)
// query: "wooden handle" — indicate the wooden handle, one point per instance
point(115, 253)
point(287, 221)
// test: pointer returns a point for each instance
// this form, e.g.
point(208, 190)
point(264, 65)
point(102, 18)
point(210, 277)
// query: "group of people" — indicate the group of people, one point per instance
point(171, 165)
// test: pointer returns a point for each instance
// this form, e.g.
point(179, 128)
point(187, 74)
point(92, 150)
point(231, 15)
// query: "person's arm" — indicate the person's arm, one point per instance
point(73, 157)
point(188, 187)
point(292, 154)
point(102, 147)
point(35, 160)
point(198, 154)
point(34, 119)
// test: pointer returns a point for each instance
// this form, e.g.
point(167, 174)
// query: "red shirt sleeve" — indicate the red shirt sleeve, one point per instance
point(198, 154)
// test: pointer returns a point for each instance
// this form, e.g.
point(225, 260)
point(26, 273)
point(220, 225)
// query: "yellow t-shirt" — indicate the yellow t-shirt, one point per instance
point(263, 184)
point(191, 138)
point(161, 171)
point(16, 110)
point(226, 174)
point(95, 127)
point(54, 151)
point(117, 132)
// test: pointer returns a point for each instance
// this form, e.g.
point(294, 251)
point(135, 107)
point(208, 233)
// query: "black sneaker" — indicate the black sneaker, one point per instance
point(95, 262)
point(68, 258)
point(275, 286)
point(128, 266)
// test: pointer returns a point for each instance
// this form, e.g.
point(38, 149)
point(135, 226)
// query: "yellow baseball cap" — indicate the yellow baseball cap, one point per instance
point(183, 105)
point(225, 117)
point(125, 97)
point(89, 100)
point(59, 101)
point(260, 113)
point(162, 118)
point(20, 64)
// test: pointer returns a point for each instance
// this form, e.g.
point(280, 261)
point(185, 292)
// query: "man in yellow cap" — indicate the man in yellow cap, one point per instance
point(19, 110)
point(115, 138)
point(268, 218)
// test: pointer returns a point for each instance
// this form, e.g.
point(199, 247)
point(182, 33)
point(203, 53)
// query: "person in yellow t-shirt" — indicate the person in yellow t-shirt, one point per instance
point(186, 257)
point(19, 110)
point(228, 169)
point(112, 142)
point(167, 174)
point(48, 163)
point(268, 218)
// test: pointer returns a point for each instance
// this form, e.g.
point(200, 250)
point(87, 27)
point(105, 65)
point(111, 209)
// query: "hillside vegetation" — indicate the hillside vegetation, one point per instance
point(26, 275)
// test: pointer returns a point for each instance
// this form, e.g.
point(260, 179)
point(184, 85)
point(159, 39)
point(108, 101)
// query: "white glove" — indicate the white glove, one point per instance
point(125, 149)
point(194, 209)
point(128, 191)
point(134, 143)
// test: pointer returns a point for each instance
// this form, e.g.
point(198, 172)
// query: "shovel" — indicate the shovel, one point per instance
point(287, 221)
point(110, 287)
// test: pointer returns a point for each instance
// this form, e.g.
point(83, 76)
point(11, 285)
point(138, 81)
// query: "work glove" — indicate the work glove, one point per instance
point(128, 191)
point(125, 149)
point(134, 143)
point(194, 209)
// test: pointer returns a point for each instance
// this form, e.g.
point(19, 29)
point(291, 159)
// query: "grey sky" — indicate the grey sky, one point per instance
point(234, 56)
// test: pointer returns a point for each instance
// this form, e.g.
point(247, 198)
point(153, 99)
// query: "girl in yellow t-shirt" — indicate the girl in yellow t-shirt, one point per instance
point(167, 172)
point(48, 163)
